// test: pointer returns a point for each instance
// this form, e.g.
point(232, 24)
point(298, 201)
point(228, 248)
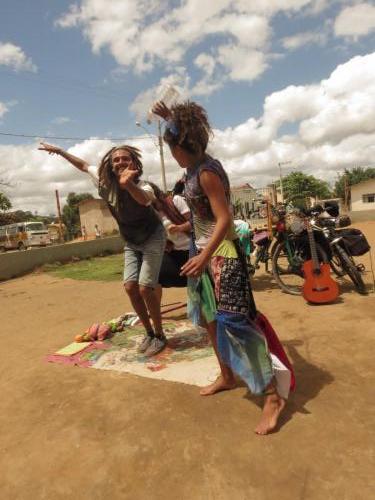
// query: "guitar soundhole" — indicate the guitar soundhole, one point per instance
point(321, 289)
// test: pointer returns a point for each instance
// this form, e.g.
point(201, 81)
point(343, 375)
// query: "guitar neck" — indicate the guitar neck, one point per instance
point(314, 253)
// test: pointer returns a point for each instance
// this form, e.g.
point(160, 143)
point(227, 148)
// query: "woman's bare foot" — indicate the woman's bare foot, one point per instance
point(219, 385)
point(273, 406)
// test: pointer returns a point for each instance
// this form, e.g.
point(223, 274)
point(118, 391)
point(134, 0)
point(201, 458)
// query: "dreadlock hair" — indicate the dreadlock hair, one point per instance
point(190, 128)
point(159, 194)
point(106, 175)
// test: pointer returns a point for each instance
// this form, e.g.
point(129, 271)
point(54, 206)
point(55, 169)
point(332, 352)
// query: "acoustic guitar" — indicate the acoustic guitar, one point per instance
point(319, 287)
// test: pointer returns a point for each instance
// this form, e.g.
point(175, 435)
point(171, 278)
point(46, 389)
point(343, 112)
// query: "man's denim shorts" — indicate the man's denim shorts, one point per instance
point(143, 262)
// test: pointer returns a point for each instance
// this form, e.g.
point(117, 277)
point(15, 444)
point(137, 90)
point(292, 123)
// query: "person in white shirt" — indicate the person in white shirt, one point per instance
point(98, 233)
point(175, 216)
point(130, 201)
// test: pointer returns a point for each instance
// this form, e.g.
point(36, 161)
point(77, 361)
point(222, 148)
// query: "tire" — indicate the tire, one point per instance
point(21, 246)
point(289, 277)
point(336, 264)
point(351, 270)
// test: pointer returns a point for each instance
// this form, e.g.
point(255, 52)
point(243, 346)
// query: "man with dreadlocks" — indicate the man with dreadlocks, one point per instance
point(219, 290)
point(130, 201)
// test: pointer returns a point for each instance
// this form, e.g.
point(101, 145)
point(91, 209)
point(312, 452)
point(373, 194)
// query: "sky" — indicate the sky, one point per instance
point(283, 81)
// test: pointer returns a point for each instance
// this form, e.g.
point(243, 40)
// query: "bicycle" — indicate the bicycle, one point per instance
point(342, 261)
point(290, 251)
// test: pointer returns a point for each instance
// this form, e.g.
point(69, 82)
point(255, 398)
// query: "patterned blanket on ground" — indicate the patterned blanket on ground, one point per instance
point(188, 358)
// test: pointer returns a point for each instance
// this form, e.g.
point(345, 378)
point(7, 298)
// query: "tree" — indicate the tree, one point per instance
point(5, 203)
point(298, 186)
point(70, 215)
point(353, 176)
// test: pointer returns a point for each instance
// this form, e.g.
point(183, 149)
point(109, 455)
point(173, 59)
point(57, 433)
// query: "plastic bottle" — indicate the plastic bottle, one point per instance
point(167, 223)
point(168, 95)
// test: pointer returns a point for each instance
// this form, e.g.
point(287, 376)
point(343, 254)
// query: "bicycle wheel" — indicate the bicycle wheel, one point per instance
point(336, 264)
point(287, 267)
point(351, 269)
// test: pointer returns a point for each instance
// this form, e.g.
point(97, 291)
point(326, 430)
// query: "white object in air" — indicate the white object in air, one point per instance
point(168, 95)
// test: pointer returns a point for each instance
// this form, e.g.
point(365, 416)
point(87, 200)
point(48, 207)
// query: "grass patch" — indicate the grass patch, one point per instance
point(96, 269)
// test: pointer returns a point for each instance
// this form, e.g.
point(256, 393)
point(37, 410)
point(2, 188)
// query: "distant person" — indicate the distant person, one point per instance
point(175, 216)
point(244, 235)
point(98, 233)
point(84, 233)
point(129, 200)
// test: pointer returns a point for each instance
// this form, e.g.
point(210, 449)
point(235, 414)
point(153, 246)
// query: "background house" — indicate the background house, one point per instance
point(95, 211)
point(363, 196)
point(243, 199)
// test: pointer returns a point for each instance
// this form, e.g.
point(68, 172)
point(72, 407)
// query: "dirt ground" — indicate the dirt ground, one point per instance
point(73, 433)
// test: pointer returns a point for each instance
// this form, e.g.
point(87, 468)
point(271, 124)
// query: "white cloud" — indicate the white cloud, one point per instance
point(308, 38)
point(14, 57)
point(211, 80)
point(242, 63)
point(355, 21)
point(142, 35)
point(272, 7)
point(333, 122)
point(5, 106)
point(348, 96)
point(3, 109)
point(61, 120)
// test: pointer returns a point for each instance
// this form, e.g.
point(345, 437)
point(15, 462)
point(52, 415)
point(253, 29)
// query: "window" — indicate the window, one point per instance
point(35, 226)
point(368, 198)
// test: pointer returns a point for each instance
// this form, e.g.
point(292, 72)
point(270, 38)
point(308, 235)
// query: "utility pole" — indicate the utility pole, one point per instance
point(59, 215)
point(346, 192)
point(158, 145)
point(281, 183)
point(274, 194)
point(162, 164)
point(281, 178)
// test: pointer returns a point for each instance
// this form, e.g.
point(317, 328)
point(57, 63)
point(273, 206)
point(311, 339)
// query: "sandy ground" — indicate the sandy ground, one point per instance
point(72, 433)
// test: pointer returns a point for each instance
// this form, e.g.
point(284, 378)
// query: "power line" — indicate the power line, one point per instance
point(41, 136)
point(63, 83)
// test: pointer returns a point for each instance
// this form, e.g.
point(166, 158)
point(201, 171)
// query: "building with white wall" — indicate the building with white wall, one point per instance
point(95, 212)
point(362, 196)
point(243, 197)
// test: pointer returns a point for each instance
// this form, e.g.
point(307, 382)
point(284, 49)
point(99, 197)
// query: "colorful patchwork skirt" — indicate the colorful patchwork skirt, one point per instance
point(250, 347)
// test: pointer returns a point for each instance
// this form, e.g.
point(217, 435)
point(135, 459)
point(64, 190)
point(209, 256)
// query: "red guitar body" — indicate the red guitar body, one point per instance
point(319, 287)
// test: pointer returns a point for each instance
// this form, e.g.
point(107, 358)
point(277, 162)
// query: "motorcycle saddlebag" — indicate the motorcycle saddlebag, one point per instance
point(355, 241)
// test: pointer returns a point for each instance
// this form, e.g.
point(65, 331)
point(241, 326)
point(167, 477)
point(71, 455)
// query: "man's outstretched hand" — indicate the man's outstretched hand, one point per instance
point(52, 150)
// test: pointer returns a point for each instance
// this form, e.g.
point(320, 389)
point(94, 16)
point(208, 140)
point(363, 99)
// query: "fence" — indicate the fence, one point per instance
point(17, 263)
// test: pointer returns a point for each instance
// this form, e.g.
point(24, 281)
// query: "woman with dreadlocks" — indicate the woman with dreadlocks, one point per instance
point(219, 291)
point(130, 201)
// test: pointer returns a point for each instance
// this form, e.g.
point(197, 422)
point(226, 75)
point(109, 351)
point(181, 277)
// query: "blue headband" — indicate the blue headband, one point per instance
point(172, 127)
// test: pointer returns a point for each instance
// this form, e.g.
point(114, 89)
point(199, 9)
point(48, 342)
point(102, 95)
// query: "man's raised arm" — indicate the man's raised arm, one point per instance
point(74, 160)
